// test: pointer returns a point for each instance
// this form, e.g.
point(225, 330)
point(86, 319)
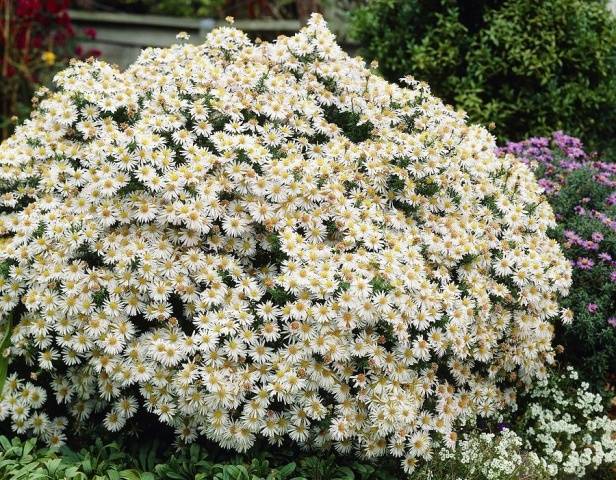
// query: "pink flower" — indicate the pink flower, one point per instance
point(612, 321)
point(584, 263)
point(90, 32)
point(592, 307)
point(597, 237)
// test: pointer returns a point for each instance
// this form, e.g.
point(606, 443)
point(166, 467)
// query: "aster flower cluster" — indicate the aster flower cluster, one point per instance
point(558, 156)
point(269, 240)
point(582, 191)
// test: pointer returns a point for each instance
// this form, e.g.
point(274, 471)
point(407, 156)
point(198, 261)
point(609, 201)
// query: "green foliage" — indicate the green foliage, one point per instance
point(529, 67)
point(23, 460)
point(26, 461)
point(477, 454)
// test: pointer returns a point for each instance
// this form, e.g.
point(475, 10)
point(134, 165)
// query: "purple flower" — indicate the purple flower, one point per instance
point(597, 237)
point(606, 257)
point(612, 321)
point(613, 276)
point(592, 307)
point(573, 237)
point(503, 425)
point(570, 146)
point(584, 263)
point(548, 185)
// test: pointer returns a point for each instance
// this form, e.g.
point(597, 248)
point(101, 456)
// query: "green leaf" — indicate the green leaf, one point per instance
point(287, 470)
point(71, 472)
point(147, 457)
point(52, 465)
point(234, 472)
point(345, 473)
point(5, 443)
point(115, 475)
point(28, 447)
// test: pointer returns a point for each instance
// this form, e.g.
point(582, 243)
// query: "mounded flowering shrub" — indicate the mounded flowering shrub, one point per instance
point(267, 240)
point(582, 191)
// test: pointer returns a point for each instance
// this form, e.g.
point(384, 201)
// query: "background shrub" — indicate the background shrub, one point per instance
point(582, 192)
point(530, 67)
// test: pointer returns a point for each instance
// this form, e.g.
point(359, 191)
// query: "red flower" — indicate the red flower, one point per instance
point(90, 32)
point(27, 8)
point(64, 20)
point(94, 52)
point(53, 6)
point(37, 41)
point(10, 71)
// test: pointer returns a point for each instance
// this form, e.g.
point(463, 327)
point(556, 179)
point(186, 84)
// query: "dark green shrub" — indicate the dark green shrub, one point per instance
point(527, 66)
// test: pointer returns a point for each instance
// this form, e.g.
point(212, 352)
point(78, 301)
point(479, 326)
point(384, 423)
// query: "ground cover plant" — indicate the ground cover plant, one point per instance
point(500, 455)
point(529, 67)
point(268, 242)
point(564, 423)
point(581, 187)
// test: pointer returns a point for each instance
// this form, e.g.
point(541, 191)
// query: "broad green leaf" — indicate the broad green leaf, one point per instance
point(287, 470)
point(115, 475)
point(52, 465)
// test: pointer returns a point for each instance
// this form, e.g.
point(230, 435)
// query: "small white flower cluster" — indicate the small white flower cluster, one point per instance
point(492, 457)
point(268, 239)
point(568, 430)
